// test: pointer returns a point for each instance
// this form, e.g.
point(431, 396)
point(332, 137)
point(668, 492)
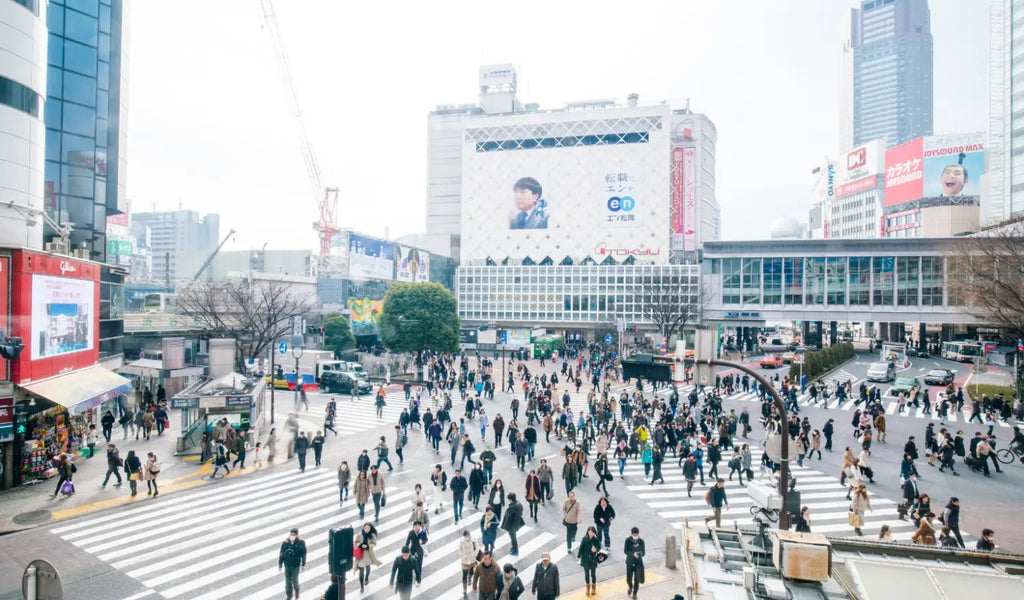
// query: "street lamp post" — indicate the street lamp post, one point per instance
point(297, 350)
point(780, 405)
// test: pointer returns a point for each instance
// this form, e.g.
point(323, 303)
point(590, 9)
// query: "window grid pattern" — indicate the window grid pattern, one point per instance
point(566, 293)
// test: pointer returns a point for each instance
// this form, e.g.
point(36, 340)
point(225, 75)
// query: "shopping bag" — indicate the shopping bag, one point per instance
point(854, 519)
point(67, 488)
point(133, 477)
point(357, 553)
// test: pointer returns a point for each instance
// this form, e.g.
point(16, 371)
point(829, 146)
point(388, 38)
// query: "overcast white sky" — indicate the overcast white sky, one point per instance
point(210, 128)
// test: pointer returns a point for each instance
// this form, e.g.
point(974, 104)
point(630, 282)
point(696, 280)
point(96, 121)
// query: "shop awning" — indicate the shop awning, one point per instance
point(81, 390)
point(154, 367)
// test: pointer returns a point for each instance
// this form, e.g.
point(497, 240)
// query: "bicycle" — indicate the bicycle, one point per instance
point(1007, 455)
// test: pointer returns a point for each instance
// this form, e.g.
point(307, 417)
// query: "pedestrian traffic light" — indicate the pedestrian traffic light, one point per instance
point(340, 551)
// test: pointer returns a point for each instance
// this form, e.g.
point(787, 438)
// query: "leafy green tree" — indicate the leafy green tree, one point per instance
point(338, 333)
point(420, 316)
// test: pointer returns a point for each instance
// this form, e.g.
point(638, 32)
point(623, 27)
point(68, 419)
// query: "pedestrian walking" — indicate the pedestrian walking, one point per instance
point(546, 581)
point(91, 438)
point(588, 557)
point(301, 447)
point(533, 493)
point(458, 486)
point(512, 521)
point(859, 505)
point(488, 529)
point(133, 471)
point(378, 492)
point(604, 514)
point(951, 517)
point(509, 584)
point(403, 574)
point(468, 555)
point(802, 523)
point(107, 424)
point(363, 555)
point(496, 498)
point(241, 447)
point(382, 454)
point(571, 517)
point(292, 558)
point(150, 471)
point(485, 577)
point(317, 443)
point(65, 471)
point(271, 445)
point(634, 549)
point(716, 498)
point(925, 534)
point(415, 541)
point(220, 459)
point(401, 439)
point(344, 476)
point(113, 464)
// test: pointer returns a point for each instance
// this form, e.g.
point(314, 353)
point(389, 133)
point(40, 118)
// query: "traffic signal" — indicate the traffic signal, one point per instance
point(339, 557)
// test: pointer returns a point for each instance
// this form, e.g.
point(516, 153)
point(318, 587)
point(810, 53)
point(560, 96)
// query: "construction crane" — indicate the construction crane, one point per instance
point(213, 255)
point(326, 197)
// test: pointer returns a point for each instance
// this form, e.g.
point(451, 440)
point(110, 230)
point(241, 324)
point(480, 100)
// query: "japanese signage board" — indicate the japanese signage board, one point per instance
point(370, 259)
point(5, 305)
point(938, 166)
point(504, 74)
point(677, 191)
point(689, 199)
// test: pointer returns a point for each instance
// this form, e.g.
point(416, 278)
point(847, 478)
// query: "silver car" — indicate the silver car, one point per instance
point(881, 371)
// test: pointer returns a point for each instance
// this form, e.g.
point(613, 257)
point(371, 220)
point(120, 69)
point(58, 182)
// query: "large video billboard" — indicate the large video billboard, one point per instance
point(369, 258)
point(940, 166)
point(543, 185)
point(411, 264)
point(54, 303)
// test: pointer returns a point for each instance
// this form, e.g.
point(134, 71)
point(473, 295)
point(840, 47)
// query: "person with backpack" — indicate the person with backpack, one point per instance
point(512, 521)
point(292, 558)
point(401, 439)
point(382, 454)
point(717, 500)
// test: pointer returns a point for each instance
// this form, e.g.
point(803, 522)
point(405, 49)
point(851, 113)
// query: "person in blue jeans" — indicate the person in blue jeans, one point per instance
point(382, 454)
point(458, 485)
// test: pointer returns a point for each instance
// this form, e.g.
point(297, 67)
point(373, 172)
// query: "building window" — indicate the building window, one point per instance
point(730, 281)
point(772, 280)
point(815, 289)
point(908, 274)
point(794, 271)
point(751, 280)
point(882, 273)
point(860, 281)
point(836, 280)
point(931, 281)
point(19, 97)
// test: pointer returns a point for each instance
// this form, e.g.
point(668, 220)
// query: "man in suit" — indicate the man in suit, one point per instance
point(531, 210)
point(910, 496)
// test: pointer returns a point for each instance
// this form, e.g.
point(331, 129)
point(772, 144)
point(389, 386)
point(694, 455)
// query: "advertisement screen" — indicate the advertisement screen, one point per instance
point(411, 264)
point(938, 166)
point(689, 199)
point(62, 315)
point(369, 258)
point(516, 337)
point(953, 165)
point(904, 173)
point(553, 186)
point(366, 315)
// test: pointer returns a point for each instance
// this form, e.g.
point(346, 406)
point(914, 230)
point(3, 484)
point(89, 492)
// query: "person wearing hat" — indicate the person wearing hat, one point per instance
point(292, 558)
point(403, 573)
point(545, 579)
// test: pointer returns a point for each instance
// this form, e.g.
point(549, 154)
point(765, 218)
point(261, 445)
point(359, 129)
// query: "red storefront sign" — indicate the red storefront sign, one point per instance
point(55, 311)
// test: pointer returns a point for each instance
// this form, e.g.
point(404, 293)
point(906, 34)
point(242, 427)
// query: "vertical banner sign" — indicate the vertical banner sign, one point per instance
point(689, 200)
point(904, 173)
point(677, 190)
point(5, 307)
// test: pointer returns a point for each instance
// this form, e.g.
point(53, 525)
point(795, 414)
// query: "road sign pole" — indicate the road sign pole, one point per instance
point(272, 386)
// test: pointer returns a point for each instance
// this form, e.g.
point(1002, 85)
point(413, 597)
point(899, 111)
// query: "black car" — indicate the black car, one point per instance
point(342, 382)
point(939, 377)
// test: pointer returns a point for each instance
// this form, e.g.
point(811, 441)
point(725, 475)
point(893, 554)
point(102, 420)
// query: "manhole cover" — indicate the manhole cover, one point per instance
point(31, 518)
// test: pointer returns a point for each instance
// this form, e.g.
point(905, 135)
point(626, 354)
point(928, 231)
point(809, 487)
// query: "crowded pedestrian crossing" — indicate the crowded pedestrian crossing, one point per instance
point(821, 493)
point(356, 415)
point(223, 542)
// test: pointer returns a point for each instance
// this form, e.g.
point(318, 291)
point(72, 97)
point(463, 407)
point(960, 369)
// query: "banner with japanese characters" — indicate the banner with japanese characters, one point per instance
point(620, 194)
point(942, 168)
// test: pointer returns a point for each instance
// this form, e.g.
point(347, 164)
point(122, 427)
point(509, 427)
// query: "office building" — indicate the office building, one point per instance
point(1003, 192)
point(887, 88)
point(173, 234)
point(22, 89)
point(611, 181)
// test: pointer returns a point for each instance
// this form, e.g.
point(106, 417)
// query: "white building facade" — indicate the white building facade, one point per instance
point(1003, 184)
point(23, 48)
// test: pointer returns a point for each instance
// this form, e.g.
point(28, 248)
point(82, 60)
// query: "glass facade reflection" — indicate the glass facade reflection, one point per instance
point(83, 113)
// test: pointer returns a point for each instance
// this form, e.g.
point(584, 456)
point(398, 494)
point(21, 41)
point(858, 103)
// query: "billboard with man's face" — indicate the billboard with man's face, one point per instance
point(935, 167)
point(556, 185)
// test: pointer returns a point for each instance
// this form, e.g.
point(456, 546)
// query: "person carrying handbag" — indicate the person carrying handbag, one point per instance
point(469, 553)
point(133, 469)
point(150, 473)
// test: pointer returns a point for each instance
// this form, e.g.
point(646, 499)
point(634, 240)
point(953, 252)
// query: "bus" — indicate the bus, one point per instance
point(160, 303)
point(962, 351)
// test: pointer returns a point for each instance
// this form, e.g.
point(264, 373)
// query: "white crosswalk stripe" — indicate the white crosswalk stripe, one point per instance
point(822, 493)
point(223, 542)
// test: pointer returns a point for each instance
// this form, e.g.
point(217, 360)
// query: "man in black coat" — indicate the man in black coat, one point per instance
point(545, 579)
point(511, 521)
point(458, 486)
point(910, 496)
point(292, 558)
point(634, 549)
point(403, 573)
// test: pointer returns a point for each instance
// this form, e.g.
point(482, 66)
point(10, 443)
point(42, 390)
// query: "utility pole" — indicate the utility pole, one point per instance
point(704, 349)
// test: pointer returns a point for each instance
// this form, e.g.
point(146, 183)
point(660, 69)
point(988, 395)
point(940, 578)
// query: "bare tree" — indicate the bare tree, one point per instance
point(255, 313)
point(671, 302)
point(986, 276)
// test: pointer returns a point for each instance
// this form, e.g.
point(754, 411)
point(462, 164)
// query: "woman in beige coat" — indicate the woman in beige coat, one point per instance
point(361, 488)
point(377, 491)
point(859, 505)
point(365, 541)
point(572, 514)
point(149, 474)
point(468, 550)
